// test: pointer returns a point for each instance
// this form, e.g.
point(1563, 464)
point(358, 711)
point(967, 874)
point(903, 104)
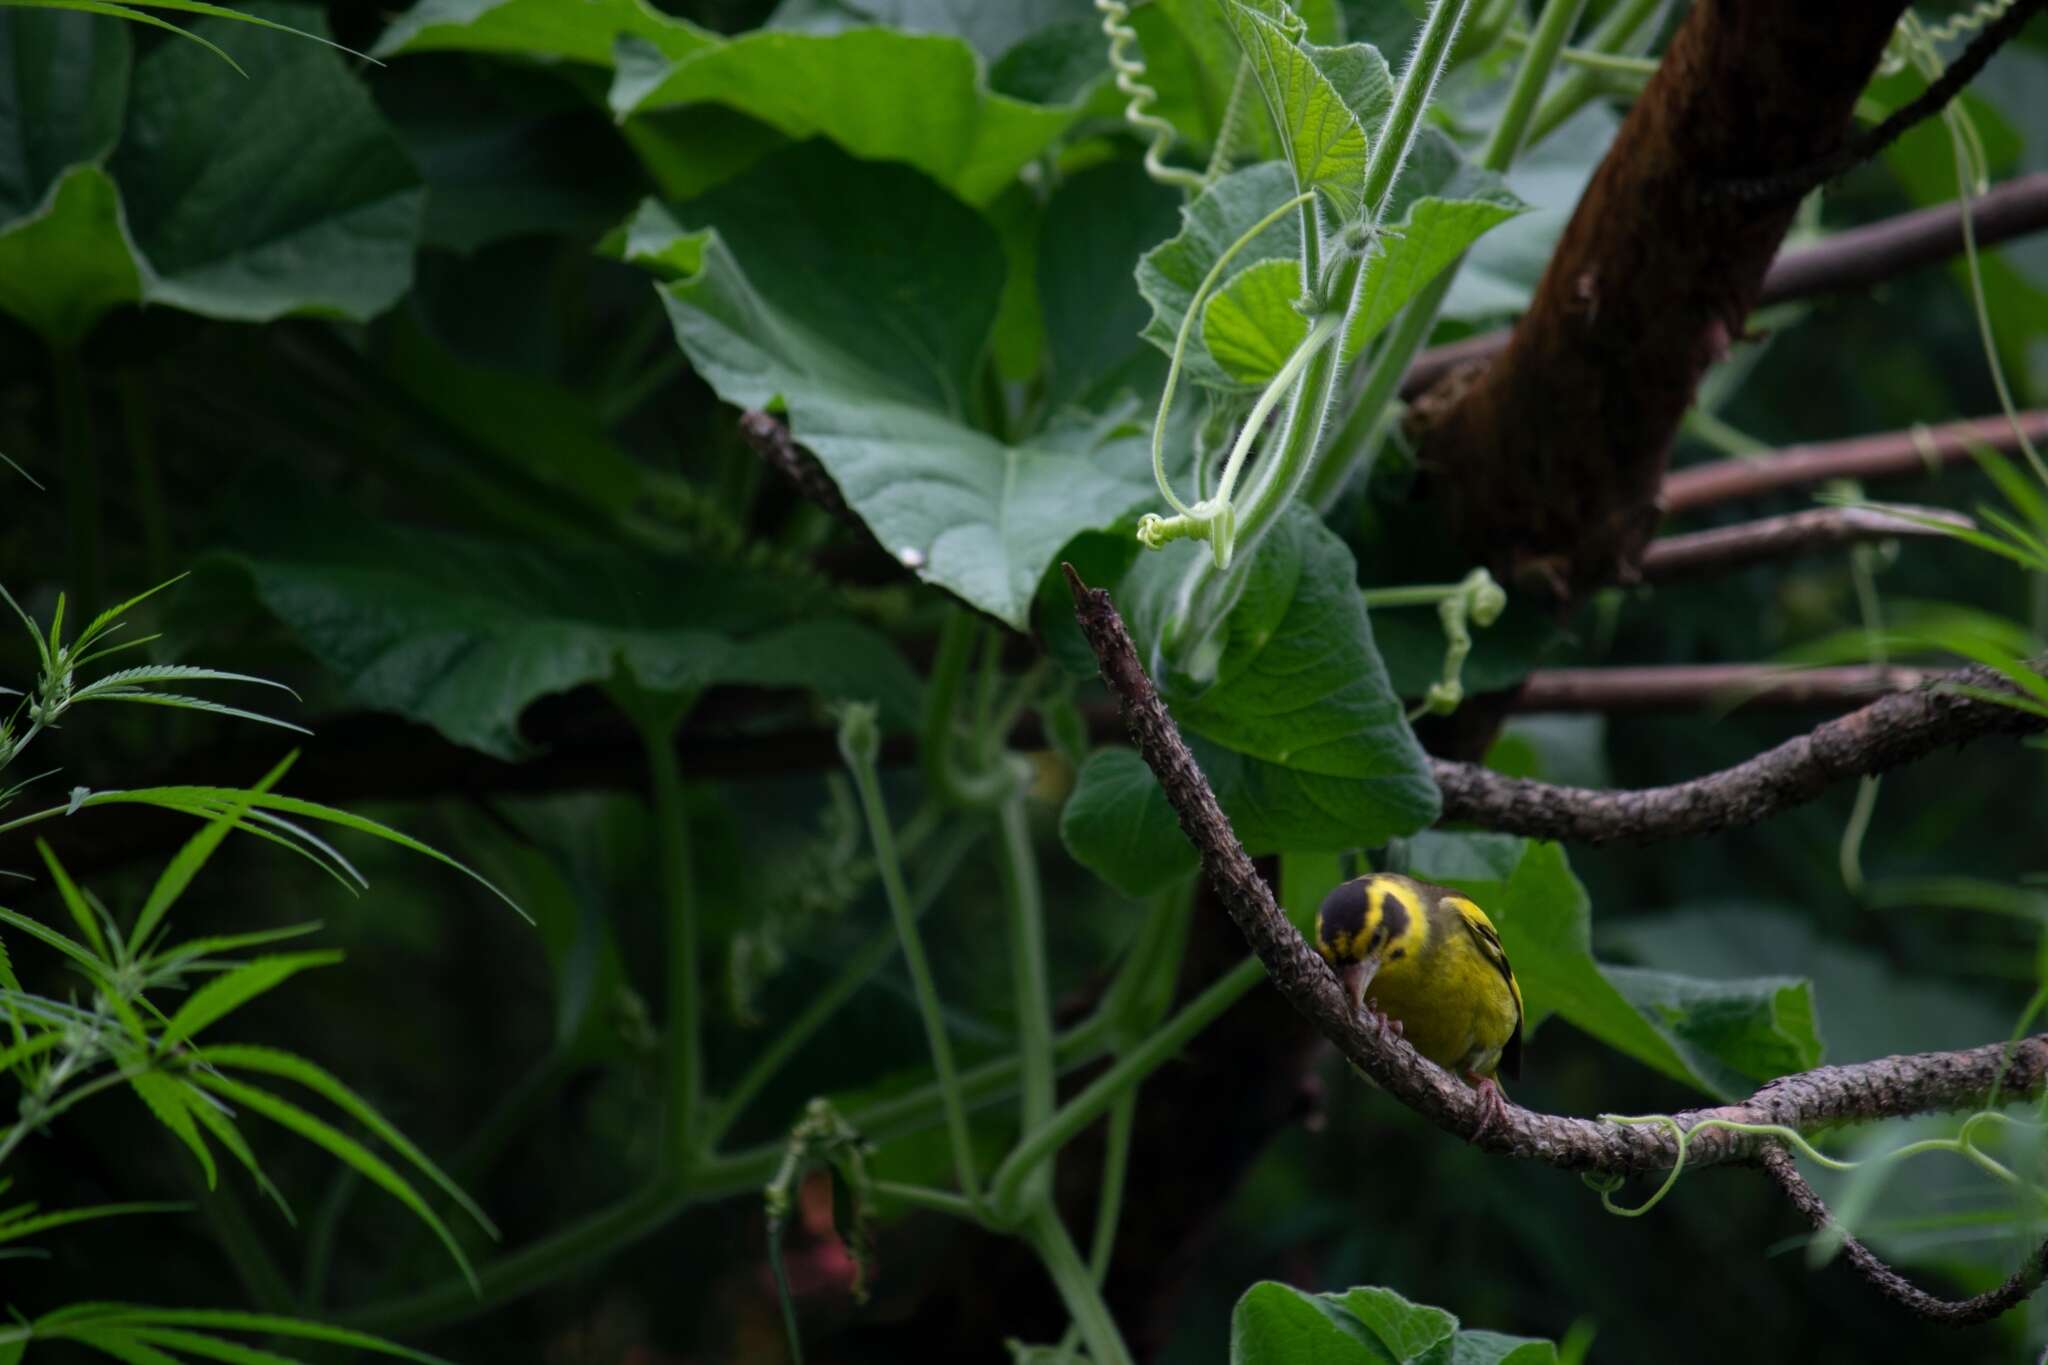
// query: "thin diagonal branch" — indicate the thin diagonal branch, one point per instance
point(1727, 548)
point(1894, 1286)
point(1887, 455)
point(1885, 734)
point(1791, 186)
point(1689, 687)
point(1887, 1087)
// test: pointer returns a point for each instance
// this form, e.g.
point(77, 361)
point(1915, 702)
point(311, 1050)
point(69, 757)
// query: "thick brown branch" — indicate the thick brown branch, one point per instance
point(1552, 459)
point(1855, 258)
point(1690, 687)
point(1888, 732)
point(1887, 1087)
point(1894, 1286)
point(1726, 548)
point(1888, 455)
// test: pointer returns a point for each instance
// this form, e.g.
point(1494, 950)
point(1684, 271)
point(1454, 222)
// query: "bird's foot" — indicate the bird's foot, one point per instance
point(1381, 1020)
point(1493, 1105)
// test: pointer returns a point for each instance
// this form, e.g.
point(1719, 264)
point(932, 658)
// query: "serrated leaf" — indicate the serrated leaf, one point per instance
point(274, 1062)
point(167, 1099)
point(225, 994)
point(185, 864)
point(13, 1230)
point(1323, 140)
point(1251, 325)
point(346, 1149)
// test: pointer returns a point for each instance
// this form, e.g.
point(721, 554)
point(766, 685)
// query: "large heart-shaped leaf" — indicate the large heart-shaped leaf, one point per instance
point(1276, 1324)
point(859, 298)
point(462, 634)
point(62, 92)
point(1298, 730)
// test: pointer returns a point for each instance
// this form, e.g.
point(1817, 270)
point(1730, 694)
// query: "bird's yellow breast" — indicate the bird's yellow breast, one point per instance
point(1455, 1007)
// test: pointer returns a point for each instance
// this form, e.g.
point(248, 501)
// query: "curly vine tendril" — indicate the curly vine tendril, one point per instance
point(1129, 79)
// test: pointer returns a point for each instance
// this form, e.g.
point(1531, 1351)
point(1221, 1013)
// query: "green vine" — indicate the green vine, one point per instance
point(1130, 73)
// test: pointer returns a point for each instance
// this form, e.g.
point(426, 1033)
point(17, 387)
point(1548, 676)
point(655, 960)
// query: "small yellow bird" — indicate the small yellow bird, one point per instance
point(1436, 971)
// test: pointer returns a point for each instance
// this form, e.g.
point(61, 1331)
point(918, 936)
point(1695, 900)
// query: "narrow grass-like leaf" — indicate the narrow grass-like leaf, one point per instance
point(186, 955)
point(167, 1100)
point(133, 16)
point(161, 673)
point(2016, 531)
point(2027, 704)
point(185, 797)
point(95, 969)
point(178, 873)
point(220, 12)
point(273, 1062)
point(29, 1227)
point(100, 624)
point(209, 1112)
point(323, 1134)
point(2020, 489)
point(29, 1048)
point(23, 472)
point(184, 703)
point(96, 655)
point(74, 901)
point(1969, 535)
point(225, 994)
point(224, 1320)
point(35, 632)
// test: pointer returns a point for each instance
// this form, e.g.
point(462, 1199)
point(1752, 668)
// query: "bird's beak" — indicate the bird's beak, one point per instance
point(1356, 976)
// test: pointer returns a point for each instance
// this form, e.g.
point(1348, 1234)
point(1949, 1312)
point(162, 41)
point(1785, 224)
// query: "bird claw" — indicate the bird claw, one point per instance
point(1493, 1105)
point(1381, 1019)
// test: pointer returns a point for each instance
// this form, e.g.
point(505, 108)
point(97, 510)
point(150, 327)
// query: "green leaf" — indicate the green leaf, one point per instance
point(584, 32)
point(1299, 731)
point(1098, 222)
point(1438, 209)
point(1274, 1324)
point(1117, 824)
point(172, 1104)
point(273, 1062)
point(14, 1229)
point(98, 1317)
point(1324, 143)
point(66, 264)
point(182, 868)
point(1722, 1036)
point(1736, 1033)
point(882, 95)
point(464, 634)
point(1251, 325)
point(346, 1149)
point(860, 297)
point(230, 991)
point(64, 82)
point(85, 916)
point(1407, 1330)
point(1477, 1347)
point(282, 192)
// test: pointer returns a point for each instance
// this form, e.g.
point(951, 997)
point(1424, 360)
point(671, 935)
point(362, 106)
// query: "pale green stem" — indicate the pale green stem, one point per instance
point(1417, 595)
point(1357, 447)
point(1418, 79)
point(930, 1200)
point(1284, 383)
point(1048, 1236)
point(683, 1085)
point(1185, 335)
point(1116, 1161)
point(869, 785)
point(943, 771)
point(859, 969)
point(1038, 1144)
point(1576, 90)
point(1559, 17)
point(1018, 868)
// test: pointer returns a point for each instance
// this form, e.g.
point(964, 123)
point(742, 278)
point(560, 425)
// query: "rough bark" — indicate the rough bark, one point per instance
point(1552, 459)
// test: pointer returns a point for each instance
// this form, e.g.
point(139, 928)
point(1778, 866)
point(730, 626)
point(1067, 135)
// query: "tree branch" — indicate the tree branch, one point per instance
point(1894, 1286)
point(1885, 1088)
point(1551, 460)
point(1855, 258)
point(1689, 687)
point(1888, 732)
point(1794, 185)
point(1890, 454)
point(1726, 548)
